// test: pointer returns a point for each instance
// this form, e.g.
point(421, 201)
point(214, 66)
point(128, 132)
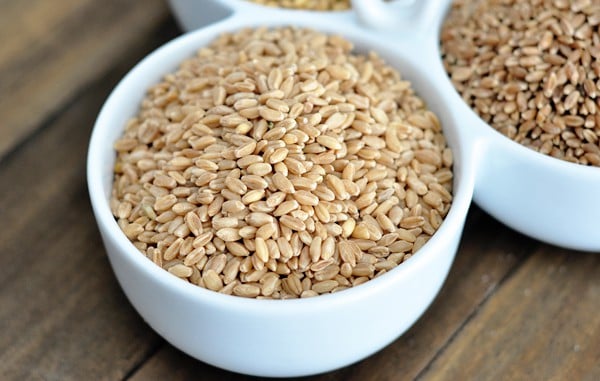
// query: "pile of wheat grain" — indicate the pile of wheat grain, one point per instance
point(531, 69)
point(277, 163)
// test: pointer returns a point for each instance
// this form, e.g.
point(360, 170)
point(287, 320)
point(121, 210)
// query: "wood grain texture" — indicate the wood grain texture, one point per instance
point(543, 323)
point(57, 48)
point(63, 316)
point(60, 303)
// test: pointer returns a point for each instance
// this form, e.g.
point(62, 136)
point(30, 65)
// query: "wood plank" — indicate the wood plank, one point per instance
point(57, 48)
point(489, 253)
point(543, 324)
point(63, 316)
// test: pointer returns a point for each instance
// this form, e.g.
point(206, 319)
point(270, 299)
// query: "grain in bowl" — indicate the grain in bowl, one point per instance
point(277, 163)
point(531, 69)
point(309, 5)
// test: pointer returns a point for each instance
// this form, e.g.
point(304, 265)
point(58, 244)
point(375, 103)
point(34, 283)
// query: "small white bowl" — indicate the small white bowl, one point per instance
point(273, 337)
point(194, 14)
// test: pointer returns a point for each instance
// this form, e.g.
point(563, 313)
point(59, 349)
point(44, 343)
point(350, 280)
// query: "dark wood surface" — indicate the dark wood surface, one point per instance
point(512, 308)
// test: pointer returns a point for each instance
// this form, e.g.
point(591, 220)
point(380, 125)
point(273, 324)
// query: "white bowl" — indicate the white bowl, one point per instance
point(531, 192)
point(272, 337)
point(194, 14)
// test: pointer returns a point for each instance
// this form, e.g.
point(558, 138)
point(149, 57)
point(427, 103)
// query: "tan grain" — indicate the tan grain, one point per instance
point(306, 198)
point(212, 281)
point(180, 270)
point(324, 286)
point(313, 5)
point(247, 290)
point(228, 234)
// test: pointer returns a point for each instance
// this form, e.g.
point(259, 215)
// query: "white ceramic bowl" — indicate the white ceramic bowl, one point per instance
point(531, 192)
point(273, 337)
point(194, 14)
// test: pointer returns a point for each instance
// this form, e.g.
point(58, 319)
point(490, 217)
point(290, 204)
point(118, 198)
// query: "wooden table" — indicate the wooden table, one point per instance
point(512, 308)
